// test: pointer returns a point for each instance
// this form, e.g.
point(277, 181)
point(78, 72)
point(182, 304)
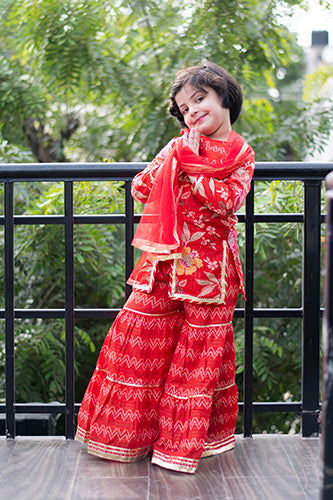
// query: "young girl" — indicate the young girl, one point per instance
point(165, 378)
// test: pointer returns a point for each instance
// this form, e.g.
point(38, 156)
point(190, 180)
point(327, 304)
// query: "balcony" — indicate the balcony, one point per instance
point(261, 466)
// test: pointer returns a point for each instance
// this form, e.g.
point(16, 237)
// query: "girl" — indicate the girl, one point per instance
point(165, 378)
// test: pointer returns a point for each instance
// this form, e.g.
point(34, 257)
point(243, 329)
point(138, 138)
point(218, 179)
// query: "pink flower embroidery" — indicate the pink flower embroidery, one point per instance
point(189, 262)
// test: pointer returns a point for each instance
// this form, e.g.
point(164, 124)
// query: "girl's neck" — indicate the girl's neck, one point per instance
point(223, 135)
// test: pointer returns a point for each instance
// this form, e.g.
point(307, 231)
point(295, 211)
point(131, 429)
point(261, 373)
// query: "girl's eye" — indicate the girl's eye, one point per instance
point(199, 99)
point(184, 111)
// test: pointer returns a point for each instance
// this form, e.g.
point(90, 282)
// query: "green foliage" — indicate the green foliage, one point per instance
point(40, 359)
point(266, 348)
point(9, 153)
point(20, 95)
point(110, 67)
point(66, 40)
point(317, 84)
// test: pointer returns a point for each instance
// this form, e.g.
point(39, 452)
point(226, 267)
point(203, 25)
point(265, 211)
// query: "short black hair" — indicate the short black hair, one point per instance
point(208, 74)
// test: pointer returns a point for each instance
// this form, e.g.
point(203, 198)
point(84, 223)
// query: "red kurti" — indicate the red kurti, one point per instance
point(206, 220)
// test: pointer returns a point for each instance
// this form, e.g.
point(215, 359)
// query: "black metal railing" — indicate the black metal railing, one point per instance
point(311, 174)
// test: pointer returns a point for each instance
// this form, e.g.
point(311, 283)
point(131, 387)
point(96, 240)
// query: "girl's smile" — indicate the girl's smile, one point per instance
point(199, 120)
point(202, 108)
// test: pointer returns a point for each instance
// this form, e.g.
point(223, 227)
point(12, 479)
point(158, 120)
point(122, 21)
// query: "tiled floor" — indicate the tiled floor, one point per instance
point(267, 467)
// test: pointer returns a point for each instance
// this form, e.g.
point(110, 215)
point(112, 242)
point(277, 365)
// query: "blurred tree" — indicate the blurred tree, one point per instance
point(85, 80)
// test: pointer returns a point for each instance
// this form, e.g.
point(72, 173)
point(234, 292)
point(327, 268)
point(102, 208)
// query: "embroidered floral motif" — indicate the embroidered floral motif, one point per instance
point(186, 195)
point(211, 264)
point(208, 285)
point(211, 230)
point(199, 221)
point(189, 262)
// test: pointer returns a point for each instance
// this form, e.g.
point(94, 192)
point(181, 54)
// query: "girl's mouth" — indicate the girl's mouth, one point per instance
point(198, 120)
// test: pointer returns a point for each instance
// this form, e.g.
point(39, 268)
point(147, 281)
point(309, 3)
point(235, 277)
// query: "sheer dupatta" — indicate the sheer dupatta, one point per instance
point(157, 232)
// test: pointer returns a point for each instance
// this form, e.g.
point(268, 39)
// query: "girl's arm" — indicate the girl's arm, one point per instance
point(225, 196)
point(144, 181)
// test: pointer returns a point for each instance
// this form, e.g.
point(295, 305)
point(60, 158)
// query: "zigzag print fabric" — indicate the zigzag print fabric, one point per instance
point(164, 381)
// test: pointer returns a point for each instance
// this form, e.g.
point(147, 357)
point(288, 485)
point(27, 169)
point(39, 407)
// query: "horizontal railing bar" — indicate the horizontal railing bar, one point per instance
point(122, 171)
point(282, 312)
point(284, 217)
point(96, 313)
point(121, 219)
point(60, 313)
point(280, 406)
point(99, 219)
point(276, 406)
point(37, 313)
point(69, 171)
point(100, 313)
point(291, 170)
point(20, 220)
point(275, 218)
point(78, 219)
point(37, 408)
point(44, 408)
point(36, 219)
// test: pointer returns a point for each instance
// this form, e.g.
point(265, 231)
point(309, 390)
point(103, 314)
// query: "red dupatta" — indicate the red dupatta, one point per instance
point(157, 232)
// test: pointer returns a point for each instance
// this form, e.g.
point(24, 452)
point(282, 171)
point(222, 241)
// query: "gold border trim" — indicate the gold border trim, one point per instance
point(153, 314)
point(174, 463)
point(208, 326)
point(131, 384)
point(224, 388)
point(217, 448)
point(188, 397)
point(223, 270)
point(116, 453)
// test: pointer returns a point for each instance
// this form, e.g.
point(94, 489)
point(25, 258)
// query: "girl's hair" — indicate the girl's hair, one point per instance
point(211, 75)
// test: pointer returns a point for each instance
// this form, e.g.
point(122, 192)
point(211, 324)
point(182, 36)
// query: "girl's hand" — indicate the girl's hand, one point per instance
point(192, 140)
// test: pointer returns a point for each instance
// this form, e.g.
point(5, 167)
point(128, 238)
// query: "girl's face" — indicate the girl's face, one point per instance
point(202, 109)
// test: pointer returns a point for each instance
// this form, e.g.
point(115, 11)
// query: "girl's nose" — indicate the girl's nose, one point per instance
point(193, 110)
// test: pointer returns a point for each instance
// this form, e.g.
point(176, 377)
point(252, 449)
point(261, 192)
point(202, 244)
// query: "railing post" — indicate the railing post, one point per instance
point(9, 310)
point(311, 308)
point(69, 311)
point(248, 314)
point(327, 413)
